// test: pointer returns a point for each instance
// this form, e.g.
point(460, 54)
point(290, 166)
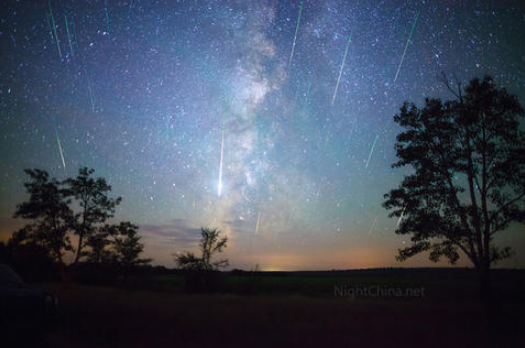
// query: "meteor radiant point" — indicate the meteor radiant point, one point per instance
point(406, 46)
point(296, 30)
point(341, 70)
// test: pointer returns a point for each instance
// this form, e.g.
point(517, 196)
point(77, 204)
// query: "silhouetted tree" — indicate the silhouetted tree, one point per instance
point(100, 244)
point(127, 246)
point(48, 208)
point(3, 252)
point(95, 205)
point(468, 183)
point(211, 243)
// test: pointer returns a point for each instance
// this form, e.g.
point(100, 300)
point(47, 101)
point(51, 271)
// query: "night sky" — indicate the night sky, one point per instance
point(241, 115)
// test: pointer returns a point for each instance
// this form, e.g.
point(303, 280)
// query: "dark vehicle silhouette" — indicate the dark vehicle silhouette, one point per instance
point(24, 310)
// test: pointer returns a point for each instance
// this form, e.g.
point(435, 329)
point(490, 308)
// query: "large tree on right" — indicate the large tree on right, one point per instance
point(468, 177)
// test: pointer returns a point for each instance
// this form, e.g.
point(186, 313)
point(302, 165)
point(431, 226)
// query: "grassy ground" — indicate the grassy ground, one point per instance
point(291, 310)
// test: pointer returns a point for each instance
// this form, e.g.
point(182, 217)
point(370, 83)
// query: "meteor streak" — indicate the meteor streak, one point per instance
point(60, 149)
point(75, 34)
point(91, 97)
point(296, 93)
point(258, 223)
point(373, 225)
point(307, 93)
point(406, 46)
point(341, 70)
point(219, 185)
point(107, 21)
point(401, 217)
point(296, 30)
point(69, 37)
point(371, 151)
point(55, 30)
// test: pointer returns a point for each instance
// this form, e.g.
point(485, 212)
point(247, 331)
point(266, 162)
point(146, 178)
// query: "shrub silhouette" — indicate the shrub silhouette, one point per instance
point(201, 273)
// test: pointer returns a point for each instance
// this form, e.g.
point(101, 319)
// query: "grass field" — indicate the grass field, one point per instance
point(293, 310)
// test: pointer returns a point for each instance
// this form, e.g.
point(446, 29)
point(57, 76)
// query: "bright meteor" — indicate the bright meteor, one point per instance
point(296, 30)
point(107, 21)
point(401, 217)
point(60, 149)
point(69, 38)
point(55, 30)
point(341, 70)
point(371, 151)
point(406, 46)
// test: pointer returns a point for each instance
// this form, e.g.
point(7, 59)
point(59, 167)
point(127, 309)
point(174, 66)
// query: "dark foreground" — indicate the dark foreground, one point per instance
point(449, 314)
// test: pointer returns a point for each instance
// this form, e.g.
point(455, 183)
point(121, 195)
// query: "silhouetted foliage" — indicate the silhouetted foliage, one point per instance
point(3, 252)
point(201, 272)
point(48, 208)
point(468, 184)
point(101, 243)
point(127, 246)
point(109, 249)
point(211, 243)
point(115, 251)
point(95, 206)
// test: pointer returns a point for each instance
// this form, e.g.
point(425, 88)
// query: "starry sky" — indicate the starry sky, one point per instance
point(270, 120)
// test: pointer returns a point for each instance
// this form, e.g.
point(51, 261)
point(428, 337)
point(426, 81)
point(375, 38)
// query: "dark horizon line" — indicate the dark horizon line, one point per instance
point(423, 268)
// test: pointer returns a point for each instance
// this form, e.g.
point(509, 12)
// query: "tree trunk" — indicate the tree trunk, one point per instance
point(62, 270)
point(79, 249)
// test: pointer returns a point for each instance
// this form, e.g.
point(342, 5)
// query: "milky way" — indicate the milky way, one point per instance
point(223, 113)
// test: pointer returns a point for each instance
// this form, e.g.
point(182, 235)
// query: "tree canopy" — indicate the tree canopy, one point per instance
point(211, 243)
point(53, 220)
point(468, 184)
point(95, 205)
point(48, 207)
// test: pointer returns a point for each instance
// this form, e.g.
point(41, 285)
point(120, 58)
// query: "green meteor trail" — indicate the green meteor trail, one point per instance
point(341, 70)
point(107, 21)
point(69, 37)
point(75, 34)
point(296, 30)
point(406, 46)
point(55, 30)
